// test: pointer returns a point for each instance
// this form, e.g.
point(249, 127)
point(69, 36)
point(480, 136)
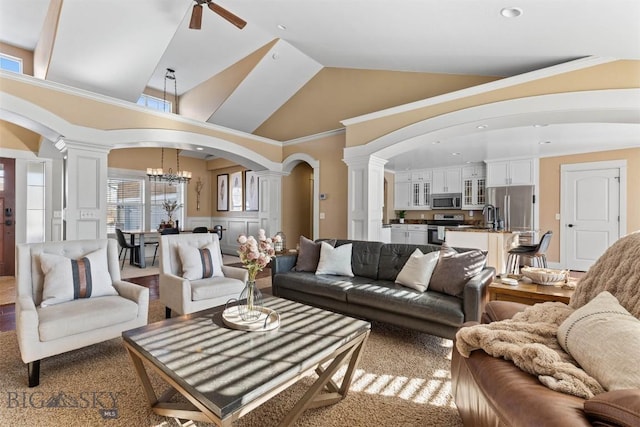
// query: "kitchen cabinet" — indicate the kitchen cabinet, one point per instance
point(402, 191)
point(497, 244)
point(446, 180)
point(512, 172)
point(421, 194)
point(473, 193)
point(413, 190)
point(409, 233)
point(474, 170)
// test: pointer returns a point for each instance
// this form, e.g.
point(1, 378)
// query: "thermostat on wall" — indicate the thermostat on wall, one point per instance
point(323, 196)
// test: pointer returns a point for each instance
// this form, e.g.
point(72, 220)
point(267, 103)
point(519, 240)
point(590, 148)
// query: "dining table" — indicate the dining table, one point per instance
point(139, 259)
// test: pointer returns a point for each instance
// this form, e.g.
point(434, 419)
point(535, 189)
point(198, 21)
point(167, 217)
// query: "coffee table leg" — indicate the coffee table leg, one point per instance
point(144, 378)
point(312, 398)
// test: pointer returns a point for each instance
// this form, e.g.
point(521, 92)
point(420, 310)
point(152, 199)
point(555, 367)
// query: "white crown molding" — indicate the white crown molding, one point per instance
point(577, 64)
point(314, 137)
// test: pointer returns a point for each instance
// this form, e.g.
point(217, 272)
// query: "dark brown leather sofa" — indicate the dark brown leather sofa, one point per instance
point(491, 391)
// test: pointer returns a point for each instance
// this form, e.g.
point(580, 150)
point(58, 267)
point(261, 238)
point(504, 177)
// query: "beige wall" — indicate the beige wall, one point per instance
point(297, 195)
point(333, 182)
point(18, 138)
point(335, 94)
point(550, 190)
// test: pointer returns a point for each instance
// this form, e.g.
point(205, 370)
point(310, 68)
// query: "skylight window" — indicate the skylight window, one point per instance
point(10, 63)
point(154, 103)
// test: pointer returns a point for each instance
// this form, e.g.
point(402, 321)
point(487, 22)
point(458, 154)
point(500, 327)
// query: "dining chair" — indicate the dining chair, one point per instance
point(218, 230)
point(126, 246)
point(200, 230)
point(537, 254)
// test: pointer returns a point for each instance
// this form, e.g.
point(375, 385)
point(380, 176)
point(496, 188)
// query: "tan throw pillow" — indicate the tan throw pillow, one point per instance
point(418, 269)
point(200, 263)
point(309, 254)
point(68, 279)
point(455, 269)
point(336, 261)
point(604, 339)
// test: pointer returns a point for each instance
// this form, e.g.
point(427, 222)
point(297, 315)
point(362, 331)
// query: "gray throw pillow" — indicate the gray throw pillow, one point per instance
point(309, 254)
point(455, 269)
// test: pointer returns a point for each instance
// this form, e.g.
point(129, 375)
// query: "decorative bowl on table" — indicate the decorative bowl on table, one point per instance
point(544, 276)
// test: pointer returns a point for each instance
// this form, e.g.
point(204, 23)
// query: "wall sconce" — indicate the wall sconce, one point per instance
point(199, 186)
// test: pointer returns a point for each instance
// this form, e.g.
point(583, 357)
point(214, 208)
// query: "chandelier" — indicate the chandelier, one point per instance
point(158, 174)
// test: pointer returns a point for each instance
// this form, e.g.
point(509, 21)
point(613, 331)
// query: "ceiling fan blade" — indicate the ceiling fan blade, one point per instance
point(235, 20)
point(196, 17)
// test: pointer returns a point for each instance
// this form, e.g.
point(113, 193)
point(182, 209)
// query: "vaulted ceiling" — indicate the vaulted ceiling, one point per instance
point(240, 77)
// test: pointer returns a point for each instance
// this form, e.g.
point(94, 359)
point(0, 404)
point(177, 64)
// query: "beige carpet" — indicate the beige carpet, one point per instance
point(403, 380)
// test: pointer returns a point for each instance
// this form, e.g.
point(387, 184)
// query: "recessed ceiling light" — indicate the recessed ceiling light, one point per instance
point(544, 142)
point(435, 142)
point(275, 56)
point(455, 154)
point(281, 27)
point(540, 125)
point(199, 148)
point(482, 126)
point(511, 12)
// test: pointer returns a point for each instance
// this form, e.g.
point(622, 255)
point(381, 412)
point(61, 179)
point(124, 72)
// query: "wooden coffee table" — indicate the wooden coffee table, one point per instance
point(225, 373)
point(528, 293)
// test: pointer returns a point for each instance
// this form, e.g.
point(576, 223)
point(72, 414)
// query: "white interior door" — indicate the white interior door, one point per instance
point(591, 211)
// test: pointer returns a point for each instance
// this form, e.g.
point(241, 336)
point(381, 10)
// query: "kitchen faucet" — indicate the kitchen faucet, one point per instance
point(489, 212)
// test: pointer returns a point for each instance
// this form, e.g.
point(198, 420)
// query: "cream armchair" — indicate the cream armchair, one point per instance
point(48, 330)
point(186, 296)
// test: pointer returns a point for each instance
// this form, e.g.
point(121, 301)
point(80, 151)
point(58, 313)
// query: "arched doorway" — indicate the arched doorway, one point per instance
point(298, 204)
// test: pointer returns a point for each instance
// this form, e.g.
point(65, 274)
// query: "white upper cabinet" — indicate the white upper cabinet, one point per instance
point(513, 172)
point(474, 170)
point(447, 180)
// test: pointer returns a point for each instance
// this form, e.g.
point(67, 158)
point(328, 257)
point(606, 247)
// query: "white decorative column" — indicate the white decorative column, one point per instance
point(365, 197)
point(270, 205)
point(85, 213)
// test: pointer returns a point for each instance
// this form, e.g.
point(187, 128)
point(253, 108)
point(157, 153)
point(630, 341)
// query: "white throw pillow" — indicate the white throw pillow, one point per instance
point(336, 261)
point(67, 279)
point(418, 269)
point(200, 263)
point(604, 339)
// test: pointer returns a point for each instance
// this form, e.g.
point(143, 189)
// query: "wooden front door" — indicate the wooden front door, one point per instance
point(7, 217)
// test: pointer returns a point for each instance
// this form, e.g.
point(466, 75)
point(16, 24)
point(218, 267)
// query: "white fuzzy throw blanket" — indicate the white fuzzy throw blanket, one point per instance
point(529, 338)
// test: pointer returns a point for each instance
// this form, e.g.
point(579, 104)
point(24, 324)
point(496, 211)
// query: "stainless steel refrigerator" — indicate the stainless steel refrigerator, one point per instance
point(515, 205)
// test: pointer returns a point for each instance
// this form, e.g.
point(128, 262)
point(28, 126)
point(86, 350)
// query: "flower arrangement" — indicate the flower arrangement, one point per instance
point(170, 207)
point(256, 254)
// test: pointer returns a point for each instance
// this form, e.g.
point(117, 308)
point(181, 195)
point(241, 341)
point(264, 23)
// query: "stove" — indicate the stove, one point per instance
point(446, 219)
point(435, 226)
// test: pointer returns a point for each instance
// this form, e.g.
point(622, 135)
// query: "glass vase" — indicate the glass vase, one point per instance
point(250, 302)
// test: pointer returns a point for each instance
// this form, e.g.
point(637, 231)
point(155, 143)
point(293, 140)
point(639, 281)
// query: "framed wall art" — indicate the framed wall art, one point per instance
point(251, 191)
point(236, 191)
point(223, 192)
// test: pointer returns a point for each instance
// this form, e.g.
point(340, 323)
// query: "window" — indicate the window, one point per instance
point(35, 202)
point(10, 63)
point(134, 203)
point(125, 204)
point(155, 103)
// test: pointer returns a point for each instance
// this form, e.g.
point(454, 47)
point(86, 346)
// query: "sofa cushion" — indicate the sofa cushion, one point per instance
point(200, 263)
point(309, 254)
point(335, 261)
point(333, 287)
point(454, 269)
point(365, 258)
point(604, 339)
point(83, 315)
point(393, 256)
point(417, 271)
point(388, 296)
point(215, 287)
point(68, 279)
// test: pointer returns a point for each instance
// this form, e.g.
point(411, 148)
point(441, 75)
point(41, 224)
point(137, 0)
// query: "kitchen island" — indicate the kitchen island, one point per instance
point(497, 243)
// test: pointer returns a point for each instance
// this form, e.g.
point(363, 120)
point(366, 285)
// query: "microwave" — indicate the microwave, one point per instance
point(446, 201)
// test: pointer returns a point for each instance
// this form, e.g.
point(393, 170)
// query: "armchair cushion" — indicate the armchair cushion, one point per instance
point(200, 263)
point(68, 279)
point(215, 287)
point(71, 318)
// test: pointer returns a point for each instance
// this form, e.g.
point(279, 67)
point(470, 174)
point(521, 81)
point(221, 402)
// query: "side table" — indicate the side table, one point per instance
point(528, 293)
